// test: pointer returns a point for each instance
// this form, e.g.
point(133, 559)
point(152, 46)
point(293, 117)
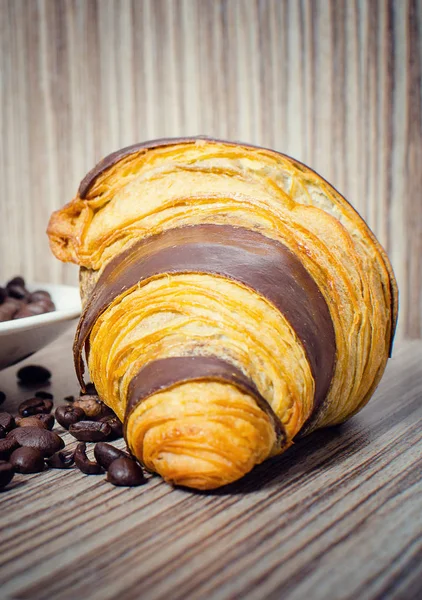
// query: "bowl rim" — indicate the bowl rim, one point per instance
point(38, 321)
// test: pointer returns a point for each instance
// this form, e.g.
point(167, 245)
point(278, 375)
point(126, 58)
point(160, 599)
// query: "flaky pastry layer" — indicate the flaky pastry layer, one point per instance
point(192, 182)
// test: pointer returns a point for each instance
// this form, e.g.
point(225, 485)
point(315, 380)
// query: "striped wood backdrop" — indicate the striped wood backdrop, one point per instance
point(336, 84)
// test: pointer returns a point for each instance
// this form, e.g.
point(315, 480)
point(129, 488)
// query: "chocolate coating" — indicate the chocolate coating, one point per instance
point(165, 373)
point(239, 254)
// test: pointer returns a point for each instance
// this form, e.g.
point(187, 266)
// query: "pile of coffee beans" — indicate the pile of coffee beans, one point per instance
point(28, 443)
point(16, 302)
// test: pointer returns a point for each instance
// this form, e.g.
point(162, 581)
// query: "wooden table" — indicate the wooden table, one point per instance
point(338, 516)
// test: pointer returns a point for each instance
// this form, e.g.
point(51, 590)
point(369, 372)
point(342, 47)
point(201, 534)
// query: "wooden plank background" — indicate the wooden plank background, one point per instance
point(336, 84)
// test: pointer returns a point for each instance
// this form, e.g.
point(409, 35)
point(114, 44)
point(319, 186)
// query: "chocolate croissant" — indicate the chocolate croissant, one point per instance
point(233, 300)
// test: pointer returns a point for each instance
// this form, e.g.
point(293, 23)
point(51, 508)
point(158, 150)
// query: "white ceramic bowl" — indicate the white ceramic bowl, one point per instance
point(23, 337)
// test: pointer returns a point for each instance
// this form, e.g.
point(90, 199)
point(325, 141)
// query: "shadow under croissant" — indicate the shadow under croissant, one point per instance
point(319, 450)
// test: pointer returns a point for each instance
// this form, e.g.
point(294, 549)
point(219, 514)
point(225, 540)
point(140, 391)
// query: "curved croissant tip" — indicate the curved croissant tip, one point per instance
point(202, 435)
point(191, 455)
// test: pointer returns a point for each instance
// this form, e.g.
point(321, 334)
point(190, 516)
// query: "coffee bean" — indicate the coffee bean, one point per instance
point(29, 310)
point(69, 415)
point(90, 431)
point(16, 289)
point(18, 292)
point(27, 460)
point(46, 441)
point(116, 426)
point(31, 422)
point(44, 395)
point(60, 460)
point(6, 447)
point(83, 463)
point(125, 472)
point(37, 303)
point(105, 454)
point(6, 473)
point(35, 406)
point(17, 304)
point(7, 311)
point(40, 295)
point(2, 397)
point(3, 432)
point(93, 407)
point(17, 280)
point(48, 420)
point(46, 305)
point(7, 421)
point(33, 374)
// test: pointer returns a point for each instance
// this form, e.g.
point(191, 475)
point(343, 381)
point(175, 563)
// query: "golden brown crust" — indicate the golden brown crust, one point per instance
point(68, 227)
point(167, 184)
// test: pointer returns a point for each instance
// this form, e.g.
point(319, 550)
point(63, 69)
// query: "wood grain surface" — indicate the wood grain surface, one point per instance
point(336, 84)
point(338, 516)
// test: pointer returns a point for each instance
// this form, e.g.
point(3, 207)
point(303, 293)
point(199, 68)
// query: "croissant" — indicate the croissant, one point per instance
point(233, 300)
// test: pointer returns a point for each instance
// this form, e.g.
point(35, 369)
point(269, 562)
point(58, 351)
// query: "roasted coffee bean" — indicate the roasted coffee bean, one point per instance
point(40, 295)
point(3, 432)
point(9, 308)
point(17, 280)
point(83, 463)
point(69, 398)
point(44, 395)
point(105, 454)
point(47, 305)
point(6, 473)
point(18, 292)
point(6, 447)
point(35, 307)
point(16, 289)
point(116, 426)
point(46, 441)
point(17, 303)
point(2, 397)
point(48, 420)
point(125, 472)
point(93, 407)
point(31, 422)
point(14, 302)
point(7, 421)
point(33, 374)
point(27, 460)
point(7, 311)
point(69, 415)
point(29, 310)
point(60, 460)
point(90, 431)
point(35, 406)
